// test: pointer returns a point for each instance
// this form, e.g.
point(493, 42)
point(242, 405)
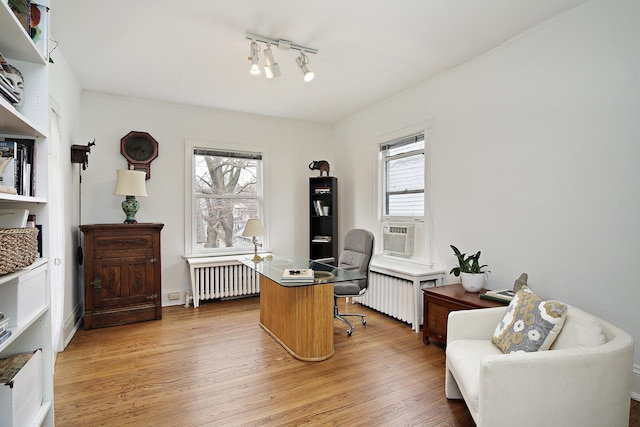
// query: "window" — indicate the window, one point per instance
point(403, 177)
point(226, 192)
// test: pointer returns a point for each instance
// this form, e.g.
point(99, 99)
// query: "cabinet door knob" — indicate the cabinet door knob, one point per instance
point(153, 260)
point(152, 296)
point(97, 283)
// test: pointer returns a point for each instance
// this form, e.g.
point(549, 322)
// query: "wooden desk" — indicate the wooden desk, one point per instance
point(299, 316)
point(441, 300)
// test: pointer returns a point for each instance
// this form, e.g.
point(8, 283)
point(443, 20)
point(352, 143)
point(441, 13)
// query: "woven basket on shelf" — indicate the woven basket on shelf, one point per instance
point(18, 248)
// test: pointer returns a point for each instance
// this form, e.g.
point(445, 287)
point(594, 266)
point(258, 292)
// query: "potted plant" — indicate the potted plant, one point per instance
point(469, 270)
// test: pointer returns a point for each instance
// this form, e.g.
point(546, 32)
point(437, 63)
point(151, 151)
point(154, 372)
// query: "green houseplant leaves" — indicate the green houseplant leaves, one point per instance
point(466, 264)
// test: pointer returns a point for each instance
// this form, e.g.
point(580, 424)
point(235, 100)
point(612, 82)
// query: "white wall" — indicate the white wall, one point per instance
point(292, 146)
point(535, 159)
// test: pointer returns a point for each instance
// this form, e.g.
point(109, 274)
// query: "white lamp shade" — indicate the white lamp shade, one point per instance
point(131, 183)
point(253, 228)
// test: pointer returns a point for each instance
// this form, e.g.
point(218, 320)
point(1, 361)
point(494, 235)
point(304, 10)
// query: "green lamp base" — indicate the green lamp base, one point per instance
point(130, 206)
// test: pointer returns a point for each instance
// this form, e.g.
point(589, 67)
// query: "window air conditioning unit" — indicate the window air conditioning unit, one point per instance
point(397, 239)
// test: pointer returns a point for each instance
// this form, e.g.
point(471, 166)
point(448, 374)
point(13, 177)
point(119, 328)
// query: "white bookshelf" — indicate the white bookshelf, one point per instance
point(25, 295)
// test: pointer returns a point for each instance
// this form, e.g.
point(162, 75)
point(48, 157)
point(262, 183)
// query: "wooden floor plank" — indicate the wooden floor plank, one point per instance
point(214, 366)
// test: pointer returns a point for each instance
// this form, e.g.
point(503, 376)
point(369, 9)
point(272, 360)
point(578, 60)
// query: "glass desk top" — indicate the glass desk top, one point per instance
point(324, 273)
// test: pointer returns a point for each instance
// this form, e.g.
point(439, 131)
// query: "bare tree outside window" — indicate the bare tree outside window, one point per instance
point(227, 193)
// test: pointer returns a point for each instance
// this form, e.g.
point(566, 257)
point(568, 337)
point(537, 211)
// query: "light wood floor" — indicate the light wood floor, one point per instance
point(214, 366)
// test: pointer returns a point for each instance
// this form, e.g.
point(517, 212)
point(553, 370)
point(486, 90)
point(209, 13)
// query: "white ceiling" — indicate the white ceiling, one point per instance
point(195, 52)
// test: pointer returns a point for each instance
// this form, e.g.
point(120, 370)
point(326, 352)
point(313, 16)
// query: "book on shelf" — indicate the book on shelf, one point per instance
point(298, 275)
point(4, 325)
point(500, 295)
point(8, 165)
point(322, 190)
point(321, 239)
point(7, 93)
point(17, 163)
point(5, 336)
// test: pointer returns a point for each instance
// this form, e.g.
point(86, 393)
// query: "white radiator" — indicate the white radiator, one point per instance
point(395, 288)
point(390, 295)
point(221, 279)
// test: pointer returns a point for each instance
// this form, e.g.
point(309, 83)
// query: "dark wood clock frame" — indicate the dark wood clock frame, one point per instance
point(142, 160)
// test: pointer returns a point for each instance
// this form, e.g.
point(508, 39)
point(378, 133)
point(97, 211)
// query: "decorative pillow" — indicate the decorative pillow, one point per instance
point(530, 324)
point(590, 334)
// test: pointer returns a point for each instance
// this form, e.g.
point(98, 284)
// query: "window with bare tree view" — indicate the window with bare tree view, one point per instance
point(227, 192)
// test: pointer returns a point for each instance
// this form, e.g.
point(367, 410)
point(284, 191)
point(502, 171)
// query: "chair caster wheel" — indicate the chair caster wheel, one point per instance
point(364, 322)
point(349, 332)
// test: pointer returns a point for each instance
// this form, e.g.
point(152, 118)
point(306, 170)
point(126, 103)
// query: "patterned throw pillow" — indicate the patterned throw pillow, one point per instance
point(530, 324)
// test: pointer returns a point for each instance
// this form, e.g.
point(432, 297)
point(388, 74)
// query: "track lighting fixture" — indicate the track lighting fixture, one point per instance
point(302, 62)
point(253, 57)
point(272, 68)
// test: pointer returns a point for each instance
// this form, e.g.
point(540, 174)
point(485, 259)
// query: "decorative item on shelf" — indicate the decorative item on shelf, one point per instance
point(253, 229)
point(130, 183)
point(140, 149)
point(80, 153)
point(39, 28)
point(321, 165)
point(22, 9)
point(470, 271)
point(11, 83)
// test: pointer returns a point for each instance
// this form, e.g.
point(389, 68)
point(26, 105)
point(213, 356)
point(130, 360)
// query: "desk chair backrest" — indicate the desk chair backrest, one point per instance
point(357, 252)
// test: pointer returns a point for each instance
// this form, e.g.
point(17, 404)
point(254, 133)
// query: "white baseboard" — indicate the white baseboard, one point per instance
point(635, 383)
point(72, 323)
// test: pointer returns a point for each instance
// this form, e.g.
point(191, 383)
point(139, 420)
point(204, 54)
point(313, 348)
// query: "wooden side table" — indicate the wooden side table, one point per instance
point(441, 300)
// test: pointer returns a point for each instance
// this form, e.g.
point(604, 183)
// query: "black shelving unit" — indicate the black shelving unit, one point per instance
point(323, 217)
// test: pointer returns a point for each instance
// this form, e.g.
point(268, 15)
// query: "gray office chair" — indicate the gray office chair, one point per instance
point(356, 255)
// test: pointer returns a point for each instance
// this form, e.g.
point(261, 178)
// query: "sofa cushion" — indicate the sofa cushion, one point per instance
point(529, 324)
point(463, 360)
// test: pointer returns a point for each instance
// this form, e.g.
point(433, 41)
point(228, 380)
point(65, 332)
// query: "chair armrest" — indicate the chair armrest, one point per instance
point(477, 324)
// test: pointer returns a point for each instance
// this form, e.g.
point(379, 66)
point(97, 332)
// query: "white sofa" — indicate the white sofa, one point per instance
point(578, 382)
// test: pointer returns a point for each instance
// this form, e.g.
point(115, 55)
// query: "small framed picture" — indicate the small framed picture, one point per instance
point(39, 28)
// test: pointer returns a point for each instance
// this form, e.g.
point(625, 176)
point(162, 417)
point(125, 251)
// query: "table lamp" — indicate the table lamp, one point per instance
point(130, 183)
point(252, 229)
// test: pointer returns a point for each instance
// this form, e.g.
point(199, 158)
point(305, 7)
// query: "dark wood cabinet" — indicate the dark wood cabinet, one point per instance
point(323, 221)
point(441, 300)
point(122, 274)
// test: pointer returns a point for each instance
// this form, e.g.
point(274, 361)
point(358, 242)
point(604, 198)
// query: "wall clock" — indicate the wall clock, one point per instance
point(140, 149)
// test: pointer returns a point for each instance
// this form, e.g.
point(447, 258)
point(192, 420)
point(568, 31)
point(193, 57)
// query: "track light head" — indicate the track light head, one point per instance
point(271, 69)
point(302, 62)
point(253, 57)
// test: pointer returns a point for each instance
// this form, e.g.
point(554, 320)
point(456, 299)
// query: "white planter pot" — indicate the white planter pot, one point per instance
point(473, 282)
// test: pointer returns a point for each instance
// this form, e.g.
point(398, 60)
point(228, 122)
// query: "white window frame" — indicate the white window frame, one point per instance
point(190, 239)
point(424, 224)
